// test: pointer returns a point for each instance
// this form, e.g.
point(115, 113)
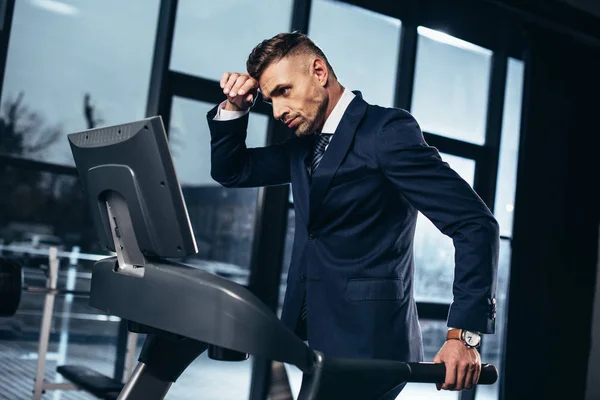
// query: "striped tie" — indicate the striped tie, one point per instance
point(321, 142)
point(303, 309)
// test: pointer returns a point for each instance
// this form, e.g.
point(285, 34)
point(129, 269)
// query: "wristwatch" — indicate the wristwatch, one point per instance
point(469, 338)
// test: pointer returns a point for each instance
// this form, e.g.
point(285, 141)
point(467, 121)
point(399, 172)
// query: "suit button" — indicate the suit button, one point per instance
point(311, 236)
point(302, 277)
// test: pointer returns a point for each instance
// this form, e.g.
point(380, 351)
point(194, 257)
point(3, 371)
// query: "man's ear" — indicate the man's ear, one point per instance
point(320, 71)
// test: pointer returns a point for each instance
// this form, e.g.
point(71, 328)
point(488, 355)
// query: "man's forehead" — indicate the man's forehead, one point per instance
point(273, 75)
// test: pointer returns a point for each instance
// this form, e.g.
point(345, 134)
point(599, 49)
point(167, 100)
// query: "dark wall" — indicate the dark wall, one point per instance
point(555, 240)
point(593, 384)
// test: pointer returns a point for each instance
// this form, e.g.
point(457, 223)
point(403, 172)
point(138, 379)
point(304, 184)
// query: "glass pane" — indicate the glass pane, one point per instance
point(41, 209)
point(451, 86)
point(492, 347)
point(509, 147)
point(213, 37)
point(58, 54)
point(222, 218)
point(434, 251)
point(369, 64)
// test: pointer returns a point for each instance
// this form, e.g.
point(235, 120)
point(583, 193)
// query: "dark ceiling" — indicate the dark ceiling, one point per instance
point(588, 6)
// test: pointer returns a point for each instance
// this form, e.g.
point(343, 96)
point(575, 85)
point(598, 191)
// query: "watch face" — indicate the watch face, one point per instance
point(471, 338)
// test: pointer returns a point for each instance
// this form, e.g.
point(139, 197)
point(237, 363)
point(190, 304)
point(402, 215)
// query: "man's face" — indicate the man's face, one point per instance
point(295, 87)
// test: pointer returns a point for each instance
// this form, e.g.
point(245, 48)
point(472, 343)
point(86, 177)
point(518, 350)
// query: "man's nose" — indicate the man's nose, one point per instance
point(278, 111)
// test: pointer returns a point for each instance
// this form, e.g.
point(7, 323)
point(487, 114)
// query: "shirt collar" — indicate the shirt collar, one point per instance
point(338, 111)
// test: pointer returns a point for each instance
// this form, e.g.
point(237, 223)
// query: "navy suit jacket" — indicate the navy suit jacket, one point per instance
point(355, 218)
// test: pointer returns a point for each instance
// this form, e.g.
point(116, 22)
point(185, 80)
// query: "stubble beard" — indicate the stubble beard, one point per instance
point(310, 127)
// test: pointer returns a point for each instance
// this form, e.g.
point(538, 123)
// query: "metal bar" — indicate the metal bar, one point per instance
point(162, 56)
point(433, 311)
point(6, 16)
point(46, 325)
point(407, 60)
point(144, 385)
point(60, 386)
point(130, 356)
point(67, 292)
point(121, 350)
point(59, 254)
point(456, 147)
point(64, 322)
point(486, 170)
point(3, 7)
point(301, 15)
point(40, 166)
point(267, 259)
point(83, 316)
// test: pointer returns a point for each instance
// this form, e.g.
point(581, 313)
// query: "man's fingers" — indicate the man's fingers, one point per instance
point(462, 374)
point(238, 85)
point(230, 82)
point(450, 381)
point(224, 79)
point(248, 86)
point(437, 360)
point(470, 370)
point(477, 373)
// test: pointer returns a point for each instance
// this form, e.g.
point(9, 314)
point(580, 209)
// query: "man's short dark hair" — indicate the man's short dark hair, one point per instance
point(272, 50)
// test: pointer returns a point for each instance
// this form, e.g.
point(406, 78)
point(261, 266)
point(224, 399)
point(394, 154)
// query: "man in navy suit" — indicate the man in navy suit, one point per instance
point(359, 175)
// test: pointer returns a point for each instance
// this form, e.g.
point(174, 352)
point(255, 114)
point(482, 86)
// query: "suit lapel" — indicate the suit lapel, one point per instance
point(335, 154)
point(300, 176)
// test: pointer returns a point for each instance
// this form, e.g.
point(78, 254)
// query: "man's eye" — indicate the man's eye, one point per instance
point(284, 91)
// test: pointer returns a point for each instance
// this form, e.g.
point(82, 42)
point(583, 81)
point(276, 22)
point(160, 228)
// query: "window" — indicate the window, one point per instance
point(39, 208)
point(434, 251)
point(362, 47)
point(59, 54)
point(213, 37)
point(222, 218)
point(509, 147)
point(492, 347)
point(451, 86)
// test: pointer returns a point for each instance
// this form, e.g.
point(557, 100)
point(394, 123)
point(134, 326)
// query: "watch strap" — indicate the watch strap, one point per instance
point(454, 334)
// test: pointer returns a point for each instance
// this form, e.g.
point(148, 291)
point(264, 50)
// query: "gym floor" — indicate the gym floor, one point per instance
point(83, 337)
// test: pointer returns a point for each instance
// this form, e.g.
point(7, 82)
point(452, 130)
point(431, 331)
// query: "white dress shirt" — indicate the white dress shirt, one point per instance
point(330, 125)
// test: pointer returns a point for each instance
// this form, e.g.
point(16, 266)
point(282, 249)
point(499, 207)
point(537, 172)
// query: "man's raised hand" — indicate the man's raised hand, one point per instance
point(240, 89)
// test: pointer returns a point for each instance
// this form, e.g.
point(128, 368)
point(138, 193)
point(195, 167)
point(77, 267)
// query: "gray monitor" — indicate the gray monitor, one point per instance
point(134, 196)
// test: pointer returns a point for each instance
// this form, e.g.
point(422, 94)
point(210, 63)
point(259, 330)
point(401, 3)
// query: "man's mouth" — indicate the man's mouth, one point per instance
point(293, 122)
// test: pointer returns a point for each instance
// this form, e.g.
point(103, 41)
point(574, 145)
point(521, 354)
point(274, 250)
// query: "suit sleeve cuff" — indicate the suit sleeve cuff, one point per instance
point(226, 115)
point(478, 317)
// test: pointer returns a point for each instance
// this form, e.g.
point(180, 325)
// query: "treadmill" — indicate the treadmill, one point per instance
point(135, 200)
